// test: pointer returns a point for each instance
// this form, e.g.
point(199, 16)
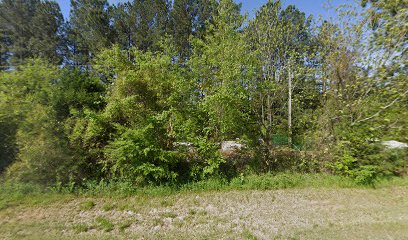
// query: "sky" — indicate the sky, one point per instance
point(314, 7)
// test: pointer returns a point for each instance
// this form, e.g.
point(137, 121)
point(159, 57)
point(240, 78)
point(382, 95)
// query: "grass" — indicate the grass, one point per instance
point(108, 207)
point(250, 182)
point(309, 213)
point(124, 225)
point(248, 235)
point(87, 205)
point(269, 207)
point(17, 194)
point(80, 227)
point(168, 215)
point(281, 206)
point(104, 224)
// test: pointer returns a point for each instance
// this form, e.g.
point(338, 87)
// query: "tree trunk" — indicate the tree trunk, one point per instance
point(290, 110)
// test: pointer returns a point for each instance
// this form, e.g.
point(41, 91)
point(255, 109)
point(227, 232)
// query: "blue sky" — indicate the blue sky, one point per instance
point(315, 7)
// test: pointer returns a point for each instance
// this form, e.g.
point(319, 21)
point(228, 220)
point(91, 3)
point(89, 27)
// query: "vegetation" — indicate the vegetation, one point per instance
point(145, 92)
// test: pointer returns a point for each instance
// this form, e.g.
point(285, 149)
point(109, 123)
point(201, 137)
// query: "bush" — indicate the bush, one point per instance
point(142, 152)
point(365, 175)
point(43, 163)
point(206, 160)
point(367, 165)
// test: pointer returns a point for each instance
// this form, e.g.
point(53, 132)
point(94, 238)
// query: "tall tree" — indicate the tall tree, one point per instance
point(223, 70)
point(141, 24)
point(188, 18)
point(4, 49)
point(283, 43)
point(89, 29)
point(30, 28)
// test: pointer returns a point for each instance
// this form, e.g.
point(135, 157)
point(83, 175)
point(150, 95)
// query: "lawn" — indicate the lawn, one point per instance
point(304, 211)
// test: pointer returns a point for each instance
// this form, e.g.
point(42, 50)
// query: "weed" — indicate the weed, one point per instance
point(108, 207)
point(192, 211)
point(81, 227)
point(178, 223)
point(124, 225)
point(158, 222)
point(166, 203)
point(248, 235)
point(123, 207)
point(87, 205)
point(202, 213)
point(104, 223)
point(168, 215)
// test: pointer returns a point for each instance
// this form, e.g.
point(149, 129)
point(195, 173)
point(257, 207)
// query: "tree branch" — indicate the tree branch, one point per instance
point(381, 110)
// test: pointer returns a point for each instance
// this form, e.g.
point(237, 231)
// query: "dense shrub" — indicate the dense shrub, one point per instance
point(142, 153)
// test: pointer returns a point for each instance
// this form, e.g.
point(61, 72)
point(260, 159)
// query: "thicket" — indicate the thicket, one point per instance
point(146, 91)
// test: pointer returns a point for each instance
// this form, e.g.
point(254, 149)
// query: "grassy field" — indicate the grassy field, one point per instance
point(308, 207)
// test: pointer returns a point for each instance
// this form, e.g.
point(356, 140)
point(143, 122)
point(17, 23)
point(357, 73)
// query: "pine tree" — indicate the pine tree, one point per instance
point(30, 28)
point(89, 29)
point(188, 18)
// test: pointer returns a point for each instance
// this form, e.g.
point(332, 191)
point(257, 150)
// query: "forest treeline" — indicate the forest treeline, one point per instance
point(145, 91)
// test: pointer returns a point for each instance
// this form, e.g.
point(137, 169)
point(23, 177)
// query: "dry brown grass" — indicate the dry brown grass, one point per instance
point(278, 214)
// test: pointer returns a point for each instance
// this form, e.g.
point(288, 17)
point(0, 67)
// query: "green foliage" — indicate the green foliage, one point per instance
point(142, 153)
point(30, 29)
point(367, 162)
point(43, 155)
point(123, 226)
point(150, 89)
point(361, 174)
point(207, 160)
point(222, 70)
point(8, 146)
point(75, 92)
point(365, 175)
point(187, 18)
point(140, 24)
point(108, 207)
point(89, 33)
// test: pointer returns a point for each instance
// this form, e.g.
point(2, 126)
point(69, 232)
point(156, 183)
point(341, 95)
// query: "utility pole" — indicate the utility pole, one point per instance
point(290, 109)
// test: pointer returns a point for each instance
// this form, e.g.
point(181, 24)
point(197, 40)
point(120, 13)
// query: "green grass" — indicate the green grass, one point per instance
point(15, 194)
point(87, 205)
point(108, 207)
point(250, 182)
point(124, 225)
point(104, 224)
point(248, 235)
point(168, 215)
point(26, 194)
point(80, 227)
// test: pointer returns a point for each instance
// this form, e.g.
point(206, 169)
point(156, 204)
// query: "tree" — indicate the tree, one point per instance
point(4, 52)
point(89, 29)
point(364, 88)
point(222, 68)
point(388, 44)
point(138, 111)
point(283, 43)
point(42, 154)
point(188, 18)
point(141, 24)
point(30, 28)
